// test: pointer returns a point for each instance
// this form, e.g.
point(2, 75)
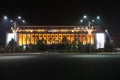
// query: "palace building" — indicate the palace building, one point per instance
point(27, 35)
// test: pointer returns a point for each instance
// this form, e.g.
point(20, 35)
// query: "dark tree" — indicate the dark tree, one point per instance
point(12, 43)
point(65, 43)
point(108, 47)
point(41, 45)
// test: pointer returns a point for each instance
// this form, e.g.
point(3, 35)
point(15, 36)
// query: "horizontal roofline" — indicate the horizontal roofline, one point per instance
point(54, 26)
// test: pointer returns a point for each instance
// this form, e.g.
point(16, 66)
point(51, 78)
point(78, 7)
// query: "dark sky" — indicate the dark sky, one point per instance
point(61, 12)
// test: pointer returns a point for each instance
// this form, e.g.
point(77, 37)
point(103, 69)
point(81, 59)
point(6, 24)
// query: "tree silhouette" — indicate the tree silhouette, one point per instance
point(65, 43)
point(11, 44)
point(41, 44)
point(65, 40)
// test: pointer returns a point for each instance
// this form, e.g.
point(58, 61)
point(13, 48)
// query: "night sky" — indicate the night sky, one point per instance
point(60, 13)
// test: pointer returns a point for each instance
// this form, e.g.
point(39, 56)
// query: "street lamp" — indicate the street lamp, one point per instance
point(14, 27)
point(19, 17)
point(89, 27)
point(23, 21)
point(14, 30)
point(89, 30)
point(5, 17)
point(85, 16)
point(98, 17)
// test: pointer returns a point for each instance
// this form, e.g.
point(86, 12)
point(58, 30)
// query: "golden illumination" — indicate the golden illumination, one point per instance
point(27, 39)
point(24, 39)
point(55, 36)
point(32, 39)
point(20, 39)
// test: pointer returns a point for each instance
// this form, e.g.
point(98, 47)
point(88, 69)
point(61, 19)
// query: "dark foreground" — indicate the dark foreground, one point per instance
point(56, 66)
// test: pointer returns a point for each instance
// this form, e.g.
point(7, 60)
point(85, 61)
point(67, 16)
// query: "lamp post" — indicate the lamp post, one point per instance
point(14, 27)
point(89, 27)
point(89, 30)
point(14, 30)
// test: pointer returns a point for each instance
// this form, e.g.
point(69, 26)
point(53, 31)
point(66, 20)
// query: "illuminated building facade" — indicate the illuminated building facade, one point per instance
point(27, 35)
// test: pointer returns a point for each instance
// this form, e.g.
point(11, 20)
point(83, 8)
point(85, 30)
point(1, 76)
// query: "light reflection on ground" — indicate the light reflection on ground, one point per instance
point(67, 55)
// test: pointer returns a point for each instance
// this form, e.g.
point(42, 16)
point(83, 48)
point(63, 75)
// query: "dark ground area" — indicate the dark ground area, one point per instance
point(60, 66)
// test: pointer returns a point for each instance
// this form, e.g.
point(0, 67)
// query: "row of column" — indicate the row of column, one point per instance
point(27, 39)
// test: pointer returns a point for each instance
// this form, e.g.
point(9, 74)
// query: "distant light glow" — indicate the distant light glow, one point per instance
point(23, 21)
point(81, 20)
point(93, 20)
point(19, 17)
point(75, 28)
point(100, 40)
point(78, 28)
point(5, 17)
point(106, 31)
point(24, 47)
point(84, 16)
point(98, 17)
point(11, 21)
